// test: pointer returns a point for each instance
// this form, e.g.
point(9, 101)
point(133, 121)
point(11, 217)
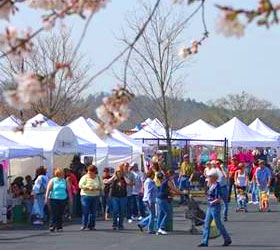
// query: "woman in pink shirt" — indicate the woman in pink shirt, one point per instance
point(74, 188)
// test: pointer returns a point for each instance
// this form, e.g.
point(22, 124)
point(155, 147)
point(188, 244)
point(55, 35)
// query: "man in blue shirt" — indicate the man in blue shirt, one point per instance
point(263, 178)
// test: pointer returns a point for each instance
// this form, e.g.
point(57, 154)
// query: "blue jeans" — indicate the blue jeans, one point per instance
point(163, 214)
point(89, 208)
point(254, 188)
point(224, 196)
point(214, 212)
point(57, 212)
point(184, 184)
point(150, 219)
point(138, 207)
point(129, 207)
point(119, 206)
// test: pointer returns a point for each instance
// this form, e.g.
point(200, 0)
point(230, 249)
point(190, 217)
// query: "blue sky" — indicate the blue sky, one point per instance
point(222, 66)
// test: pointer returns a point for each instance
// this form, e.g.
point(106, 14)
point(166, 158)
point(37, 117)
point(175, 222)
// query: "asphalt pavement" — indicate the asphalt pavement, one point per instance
point(253, 230)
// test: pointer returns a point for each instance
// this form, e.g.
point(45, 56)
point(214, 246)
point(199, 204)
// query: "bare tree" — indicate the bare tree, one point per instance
point(154, 68)
point(62, 102)
point(244, 106)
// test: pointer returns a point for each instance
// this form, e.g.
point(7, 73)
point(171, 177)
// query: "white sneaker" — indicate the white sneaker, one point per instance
point(161, 232)
point(256, 202)
point(140, 218)
point(134, 218)
point(250, 202)
point(129, 221)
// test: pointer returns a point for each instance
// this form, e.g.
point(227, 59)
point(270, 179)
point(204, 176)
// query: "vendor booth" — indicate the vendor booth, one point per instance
point(11, 150)
point(59, 144)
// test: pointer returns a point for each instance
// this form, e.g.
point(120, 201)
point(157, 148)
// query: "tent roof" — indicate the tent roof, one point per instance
point(59, 140)
point(10, 121)
point(137, 146)
point(116, 147)
point(238, 134)
point(84, 146)
point(82, 129)
point(45, 122)
point(196, 128)
point(259, 126)
point(155, 130)
point(10, 149)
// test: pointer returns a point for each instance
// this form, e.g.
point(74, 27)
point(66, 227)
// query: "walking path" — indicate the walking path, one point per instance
point(252, 230)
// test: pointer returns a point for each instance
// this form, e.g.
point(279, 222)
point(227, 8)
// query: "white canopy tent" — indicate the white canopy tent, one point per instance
point(137, 147)
point(10, 121)
point(154, 133)
point(196, 128)
point(12, 150)
point(238, 134)
point(53, 140)
point(143, 124)
point(40, 120)
point(259, 126)
point(118, 150)
point(84, 147)
point(110, 152)
point(81, 129)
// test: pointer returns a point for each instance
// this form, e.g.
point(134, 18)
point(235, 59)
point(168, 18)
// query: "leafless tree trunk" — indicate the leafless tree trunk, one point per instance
point(64, 102)
point(154, 68)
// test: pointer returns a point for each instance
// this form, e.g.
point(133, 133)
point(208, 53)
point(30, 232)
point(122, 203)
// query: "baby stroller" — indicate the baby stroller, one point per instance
point(242, 199)
point(194, 213)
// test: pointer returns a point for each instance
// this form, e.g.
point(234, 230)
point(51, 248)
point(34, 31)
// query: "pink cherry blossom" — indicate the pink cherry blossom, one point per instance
point(229, 25)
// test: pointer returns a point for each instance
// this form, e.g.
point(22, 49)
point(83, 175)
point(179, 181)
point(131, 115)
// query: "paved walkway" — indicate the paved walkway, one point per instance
point(250, 231)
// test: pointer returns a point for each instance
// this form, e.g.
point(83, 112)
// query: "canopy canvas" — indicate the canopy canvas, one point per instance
point(238, 134)
point(10, 149)
point(141, 125)
point(53, 141)
point(82, 130)
point(118, 151)
point(84, 147)
point(40, 120)
point(155, 133)
point(196, 128)
point(137, 147)
point(259, 126)
point(10, 121)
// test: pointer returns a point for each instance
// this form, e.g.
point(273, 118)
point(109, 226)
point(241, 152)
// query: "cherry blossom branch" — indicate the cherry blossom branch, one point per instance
point(266, 10)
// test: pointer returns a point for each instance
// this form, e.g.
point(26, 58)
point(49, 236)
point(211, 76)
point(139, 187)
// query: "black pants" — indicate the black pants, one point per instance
point(230, 185)
point(57, 212)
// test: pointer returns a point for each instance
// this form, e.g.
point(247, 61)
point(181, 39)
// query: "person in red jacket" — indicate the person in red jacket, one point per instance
point(232, 168)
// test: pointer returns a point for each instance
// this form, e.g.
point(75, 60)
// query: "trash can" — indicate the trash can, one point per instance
point(169, 226)
point(19, 214)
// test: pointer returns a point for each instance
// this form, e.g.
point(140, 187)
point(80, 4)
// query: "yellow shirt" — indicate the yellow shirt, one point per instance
point(87, 182)
point(156, 180)
point(186, 169)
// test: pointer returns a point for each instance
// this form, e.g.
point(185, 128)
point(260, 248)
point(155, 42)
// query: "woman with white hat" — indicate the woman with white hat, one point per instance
point(214, 210)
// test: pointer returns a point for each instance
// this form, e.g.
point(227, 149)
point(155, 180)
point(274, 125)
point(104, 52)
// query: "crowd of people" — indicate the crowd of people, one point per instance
point(132, 194)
